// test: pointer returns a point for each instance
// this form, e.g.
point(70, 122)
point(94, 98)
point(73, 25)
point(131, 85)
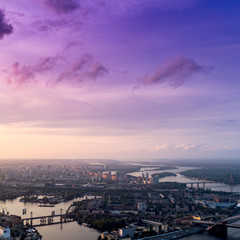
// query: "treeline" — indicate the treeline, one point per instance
point(166, 186)
point(164, 174)
point(216, 174)
point(162, 168)
point(102, 222)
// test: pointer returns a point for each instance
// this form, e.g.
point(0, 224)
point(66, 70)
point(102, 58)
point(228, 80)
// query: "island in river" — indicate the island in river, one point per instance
point(164, 174)
point(215, 174)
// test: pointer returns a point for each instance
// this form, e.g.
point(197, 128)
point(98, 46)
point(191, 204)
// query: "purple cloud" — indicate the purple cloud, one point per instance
point(75, 69)
point(72, 44)
point(84, 67)
point(174, 72)
point(51, 25)
point(96, 70)
point(61, 6)
point(138, 6)
point(23, 74)
point(5, 27)
point(116, 6)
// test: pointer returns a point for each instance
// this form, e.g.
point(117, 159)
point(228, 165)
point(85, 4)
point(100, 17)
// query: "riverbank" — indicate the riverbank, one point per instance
point(69, 230)
point(180, 178)
point(216, 174)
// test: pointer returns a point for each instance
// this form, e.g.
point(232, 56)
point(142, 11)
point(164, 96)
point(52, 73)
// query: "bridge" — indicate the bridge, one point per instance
point(198, 183)
point(48, 219)
point(219, 228)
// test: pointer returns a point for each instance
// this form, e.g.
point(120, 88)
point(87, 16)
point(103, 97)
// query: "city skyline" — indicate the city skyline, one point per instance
point(137, 79)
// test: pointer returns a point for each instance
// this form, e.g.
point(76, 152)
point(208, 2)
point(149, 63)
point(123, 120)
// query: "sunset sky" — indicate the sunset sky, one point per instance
point(120, 79)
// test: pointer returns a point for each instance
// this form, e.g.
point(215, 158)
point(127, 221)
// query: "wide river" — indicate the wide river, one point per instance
point(75, 231)
point(182, 179)
point(71, 230)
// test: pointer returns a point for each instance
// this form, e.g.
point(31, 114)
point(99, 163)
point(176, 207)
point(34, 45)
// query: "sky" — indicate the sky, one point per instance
point(120, 79)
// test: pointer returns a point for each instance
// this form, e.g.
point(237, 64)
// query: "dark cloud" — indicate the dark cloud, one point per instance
point(23, 74)
point(174, 72)
point(61, 6)
point(5, 27)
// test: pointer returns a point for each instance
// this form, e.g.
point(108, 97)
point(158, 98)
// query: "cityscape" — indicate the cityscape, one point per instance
point(119, 200)
point(119, 119)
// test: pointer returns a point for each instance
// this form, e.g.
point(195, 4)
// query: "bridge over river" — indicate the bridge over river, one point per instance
point(48, 219)
point(219, 228)
point(197, 183)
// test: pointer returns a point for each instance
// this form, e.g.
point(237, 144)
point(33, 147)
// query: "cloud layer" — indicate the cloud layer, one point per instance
point(115, 7)
point(71, 65)
point(5, 27)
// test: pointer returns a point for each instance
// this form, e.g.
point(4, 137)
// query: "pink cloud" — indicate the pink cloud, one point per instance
point(83, 68)
point(23, 74)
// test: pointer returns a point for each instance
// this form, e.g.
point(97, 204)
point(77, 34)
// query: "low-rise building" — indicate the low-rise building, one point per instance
point(141, 206)
point(127, 232)
point(5, 233)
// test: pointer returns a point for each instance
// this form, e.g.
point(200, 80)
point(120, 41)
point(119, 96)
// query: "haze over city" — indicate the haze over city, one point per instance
point(131, 79)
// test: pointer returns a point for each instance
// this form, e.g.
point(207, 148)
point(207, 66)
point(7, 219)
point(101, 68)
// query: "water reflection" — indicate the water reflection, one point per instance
point(233, 234)
point(64, 231)
point(182, 179)
point(72, 231)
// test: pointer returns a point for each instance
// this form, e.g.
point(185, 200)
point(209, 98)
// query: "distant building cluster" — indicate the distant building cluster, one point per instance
point(148, 180)
point(98, 176)
point(107, 176)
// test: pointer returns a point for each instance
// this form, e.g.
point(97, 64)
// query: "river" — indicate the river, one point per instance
point(71, 230)
point(233, 234)
point(75, 231)
point(182, 179)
